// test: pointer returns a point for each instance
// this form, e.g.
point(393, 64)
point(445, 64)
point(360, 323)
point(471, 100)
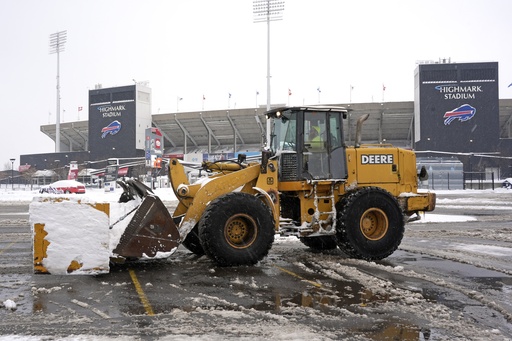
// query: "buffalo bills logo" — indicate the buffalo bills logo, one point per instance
point(112, 129)
point(463, 113)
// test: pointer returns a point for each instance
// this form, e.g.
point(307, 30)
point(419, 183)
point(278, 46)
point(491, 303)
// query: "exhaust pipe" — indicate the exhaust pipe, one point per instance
point(359, 126)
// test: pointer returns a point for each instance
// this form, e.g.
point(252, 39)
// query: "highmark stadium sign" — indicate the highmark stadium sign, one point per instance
point(111, 110)
point(456, 107)
point(111, 129)
point(451, 91)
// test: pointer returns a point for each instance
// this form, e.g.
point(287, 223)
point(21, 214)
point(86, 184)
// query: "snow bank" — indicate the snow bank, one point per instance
point(76, 234)
point(442, 218)
point(71, 235)
point(16, 195)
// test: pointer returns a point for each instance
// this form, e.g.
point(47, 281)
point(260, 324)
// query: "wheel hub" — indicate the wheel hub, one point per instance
point(240, 231)
point(374, 224)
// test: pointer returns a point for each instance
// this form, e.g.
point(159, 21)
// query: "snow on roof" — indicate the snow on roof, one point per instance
point(45, 172)
point(87, 171)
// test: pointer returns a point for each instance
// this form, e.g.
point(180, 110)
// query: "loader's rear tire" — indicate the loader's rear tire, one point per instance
point(236, 229)
point(370, 224)
point(320, 243)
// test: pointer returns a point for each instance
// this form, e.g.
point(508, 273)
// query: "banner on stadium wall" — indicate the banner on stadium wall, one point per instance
point(73, 170)
point(154, 147)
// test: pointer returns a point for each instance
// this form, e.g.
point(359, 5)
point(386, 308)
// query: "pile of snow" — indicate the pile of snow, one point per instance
point(9, 304)
point(76, 231)
point(83, 238)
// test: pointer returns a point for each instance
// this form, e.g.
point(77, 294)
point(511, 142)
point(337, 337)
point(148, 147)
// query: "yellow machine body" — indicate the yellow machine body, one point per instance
point(307, 183)
point(386, 167)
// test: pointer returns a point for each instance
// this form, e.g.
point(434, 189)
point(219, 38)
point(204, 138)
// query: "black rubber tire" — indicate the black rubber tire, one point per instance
point(236, 229)
point(370, 224)
point(320, 243)
point(192, 242)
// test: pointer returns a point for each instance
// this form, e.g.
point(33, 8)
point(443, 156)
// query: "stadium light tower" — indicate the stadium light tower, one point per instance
point(12, 171)
point(267, 11)
point(57, 41)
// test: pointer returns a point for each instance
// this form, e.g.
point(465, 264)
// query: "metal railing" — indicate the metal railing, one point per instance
point(445, 180)
point(478, 180)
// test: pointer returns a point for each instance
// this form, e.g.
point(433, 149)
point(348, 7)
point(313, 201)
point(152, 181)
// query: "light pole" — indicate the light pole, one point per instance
point(12, 172)
point(267, 11)
point(57, 41)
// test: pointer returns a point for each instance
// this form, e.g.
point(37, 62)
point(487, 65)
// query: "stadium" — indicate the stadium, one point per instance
point(456, 123)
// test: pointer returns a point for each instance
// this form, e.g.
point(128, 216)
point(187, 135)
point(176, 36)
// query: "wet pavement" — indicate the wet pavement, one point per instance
point(412, 295)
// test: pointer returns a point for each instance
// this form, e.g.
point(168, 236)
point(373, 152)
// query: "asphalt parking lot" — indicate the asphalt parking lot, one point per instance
point(424, 290)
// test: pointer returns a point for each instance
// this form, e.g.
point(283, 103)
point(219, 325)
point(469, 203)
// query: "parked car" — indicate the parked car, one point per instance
point(46, 189)
point(507, 183)
point(64, 187)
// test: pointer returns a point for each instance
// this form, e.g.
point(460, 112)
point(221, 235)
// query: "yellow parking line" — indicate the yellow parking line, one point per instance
point(140, 292)
point(8, 246)
point(316, 284)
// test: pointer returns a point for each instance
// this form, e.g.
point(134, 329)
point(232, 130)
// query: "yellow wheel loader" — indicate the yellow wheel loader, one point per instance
point(308, 183)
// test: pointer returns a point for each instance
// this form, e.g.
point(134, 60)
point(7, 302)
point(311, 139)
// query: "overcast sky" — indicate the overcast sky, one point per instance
point(193, 48)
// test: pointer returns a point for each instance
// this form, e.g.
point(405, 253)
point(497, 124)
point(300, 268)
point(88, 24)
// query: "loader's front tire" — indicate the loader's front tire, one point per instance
point(192, 242)
point(236, 229)
point(370, 224)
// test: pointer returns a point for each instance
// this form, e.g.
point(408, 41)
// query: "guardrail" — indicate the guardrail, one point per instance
point(478, 180)
point(445, 180)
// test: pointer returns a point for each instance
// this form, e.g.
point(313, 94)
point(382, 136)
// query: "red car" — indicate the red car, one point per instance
point(64, 187)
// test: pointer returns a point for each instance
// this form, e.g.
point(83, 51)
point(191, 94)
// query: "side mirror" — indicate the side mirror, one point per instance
point(423, 174)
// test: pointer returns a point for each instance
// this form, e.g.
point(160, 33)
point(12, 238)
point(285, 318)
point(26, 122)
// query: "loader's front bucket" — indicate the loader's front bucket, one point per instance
point(151, 230)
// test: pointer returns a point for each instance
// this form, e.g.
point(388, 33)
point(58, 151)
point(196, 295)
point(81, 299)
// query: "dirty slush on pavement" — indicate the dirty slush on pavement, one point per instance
point(292, 294)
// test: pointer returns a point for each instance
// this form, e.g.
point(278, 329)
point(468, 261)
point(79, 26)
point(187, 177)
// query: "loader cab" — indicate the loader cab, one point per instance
point(308, 142)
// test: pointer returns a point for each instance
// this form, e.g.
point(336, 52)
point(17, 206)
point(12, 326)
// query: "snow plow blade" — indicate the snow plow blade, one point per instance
point(151, 232)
